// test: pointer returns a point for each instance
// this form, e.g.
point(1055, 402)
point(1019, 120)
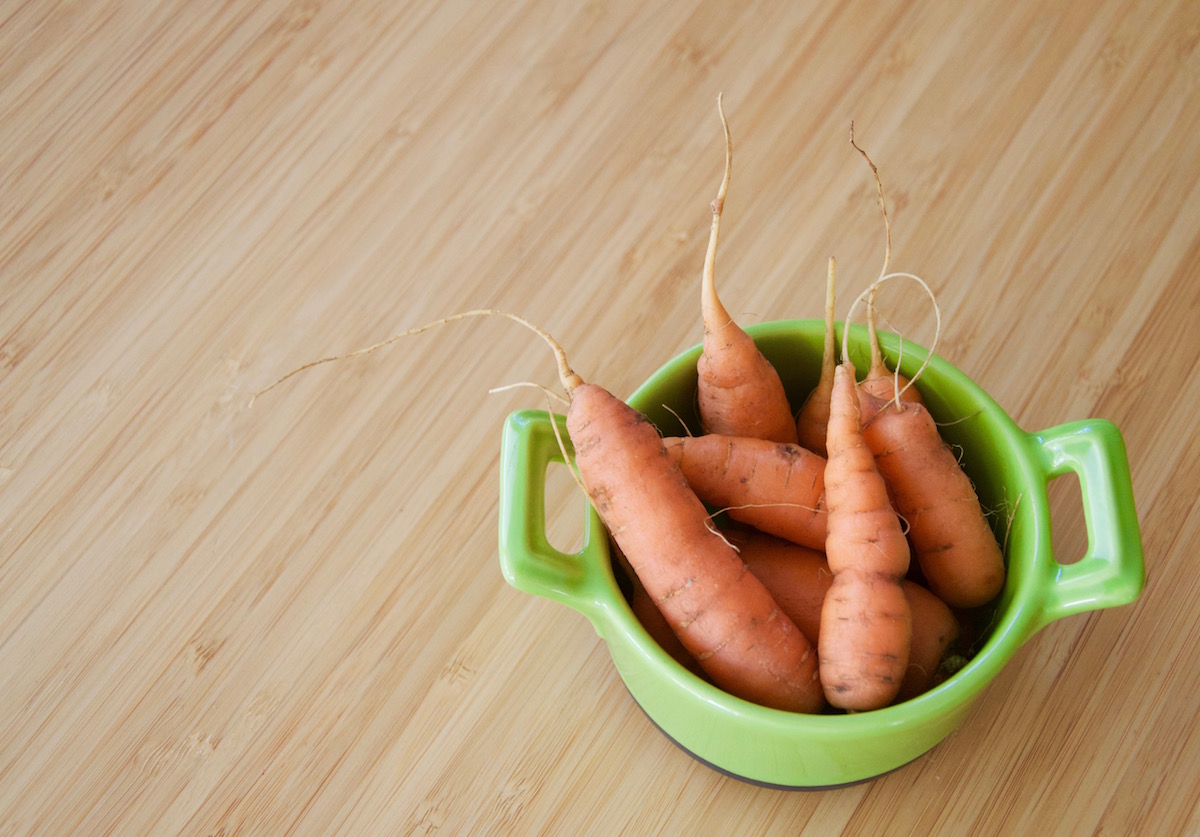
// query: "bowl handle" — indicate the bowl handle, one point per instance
point(1112, 571)
point(528, 560)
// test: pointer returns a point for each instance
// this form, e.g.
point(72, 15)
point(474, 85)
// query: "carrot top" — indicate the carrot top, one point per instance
point(739, 392)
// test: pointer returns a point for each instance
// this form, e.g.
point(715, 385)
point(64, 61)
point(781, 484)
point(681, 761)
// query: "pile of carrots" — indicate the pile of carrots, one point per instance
point(848, 540)
point(855, 541)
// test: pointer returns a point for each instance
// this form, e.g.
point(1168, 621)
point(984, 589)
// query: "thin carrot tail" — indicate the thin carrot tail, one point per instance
point(569, 379)
point(739, 392)
point(714, 314)
point(813, 420)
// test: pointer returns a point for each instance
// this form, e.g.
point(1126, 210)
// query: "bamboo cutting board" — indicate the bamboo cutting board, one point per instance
point(218, 618)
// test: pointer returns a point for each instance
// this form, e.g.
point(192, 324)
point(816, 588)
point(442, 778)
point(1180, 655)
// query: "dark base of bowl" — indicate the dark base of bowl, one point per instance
point(758, 782)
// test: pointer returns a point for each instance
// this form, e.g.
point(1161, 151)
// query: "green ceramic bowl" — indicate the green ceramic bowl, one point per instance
point(1010, 468)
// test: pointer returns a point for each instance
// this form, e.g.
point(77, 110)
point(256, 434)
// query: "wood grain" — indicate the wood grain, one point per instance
point(218, 619)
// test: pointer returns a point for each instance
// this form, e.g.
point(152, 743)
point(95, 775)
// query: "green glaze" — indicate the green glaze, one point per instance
point(1010, 469)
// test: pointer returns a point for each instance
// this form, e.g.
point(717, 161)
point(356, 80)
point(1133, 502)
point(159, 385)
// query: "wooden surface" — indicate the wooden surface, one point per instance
point(291, 619)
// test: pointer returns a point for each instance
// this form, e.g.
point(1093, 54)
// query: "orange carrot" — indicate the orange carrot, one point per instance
point(866, 621)
point(879, 380)
point(651, 617)
point(739, 392)
point(814, 415)
point(775, 487)
point(934, 629)
point(955, 547)
point(721, 613)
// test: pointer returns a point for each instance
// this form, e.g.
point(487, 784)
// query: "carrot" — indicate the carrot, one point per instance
point(953, 544)
point(775, 487)
point(651, 617)
point(814, 415)
point(879, 380)
point(866, 621)
point(721, 613)
point(934, 630)
point(955, 547)
point(739, 392)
